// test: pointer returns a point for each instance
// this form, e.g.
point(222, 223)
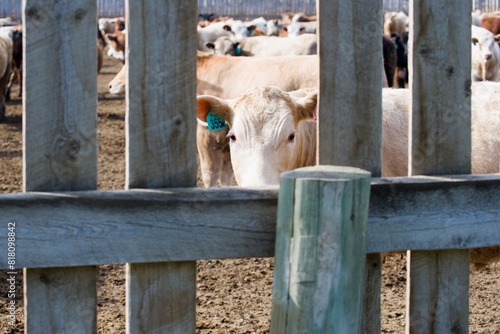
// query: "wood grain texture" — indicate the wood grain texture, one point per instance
point(440, 87)
point(440, 144)
point(60, 147)
point(432, 213)
point(60, 95)
point(350, 110)
point(60, 300)
point(371, 304)
point(171, 282)
point(350, 100)
point(160, 123)
point(320, 248)
point(423, 213)
point(441, 305)
point(161, 94)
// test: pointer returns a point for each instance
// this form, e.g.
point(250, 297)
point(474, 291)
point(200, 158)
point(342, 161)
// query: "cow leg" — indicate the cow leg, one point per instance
point(3, 90)
point(20, 80)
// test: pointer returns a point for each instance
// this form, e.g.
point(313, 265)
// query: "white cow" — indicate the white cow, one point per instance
point(485, 55)
point(476, 17)
point(273, 27)
point(295, 29)
point(259, 22)
point(211, 32)
point(270, 131)
point(266, 46)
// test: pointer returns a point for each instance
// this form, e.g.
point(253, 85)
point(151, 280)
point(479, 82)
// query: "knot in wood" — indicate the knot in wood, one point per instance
point(424, 51)
point(80, 14)
point(44, 279)
point(33, 13)
point(73, 149)
point(177, 120)
point(450, 70)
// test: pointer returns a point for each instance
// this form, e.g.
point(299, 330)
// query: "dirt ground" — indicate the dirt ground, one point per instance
point(233, 296)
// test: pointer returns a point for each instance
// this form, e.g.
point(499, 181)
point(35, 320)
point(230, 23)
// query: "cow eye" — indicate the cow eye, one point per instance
point(291, 137)
point(231, 137)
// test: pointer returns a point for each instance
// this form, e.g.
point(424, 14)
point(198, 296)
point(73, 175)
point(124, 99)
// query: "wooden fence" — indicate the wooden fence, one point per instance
point(61, 227)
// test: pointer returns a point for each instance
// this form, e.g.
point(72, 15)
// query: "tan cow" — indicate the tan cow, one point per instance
point(229, 77)
point(270, 133)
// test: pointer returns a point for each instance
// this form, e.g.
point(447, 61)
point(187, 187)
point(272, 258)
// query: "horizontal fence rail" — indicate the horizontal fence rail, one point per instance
point(101, 227)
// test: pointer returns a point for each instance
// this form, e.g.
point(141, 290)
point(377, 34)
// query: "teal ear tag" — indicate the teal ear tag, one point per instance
point(237, 52)
point(215, 122)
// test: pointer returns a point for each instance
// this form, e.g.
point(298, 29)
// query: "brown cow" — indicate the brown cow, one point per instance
point(491, 22)
point(117, 45)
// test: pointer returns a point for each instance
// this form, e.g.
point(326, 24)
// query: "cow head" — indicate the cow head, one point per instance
point(224, 46)
point(484, 41)
point(267, 135)
point(118, 84)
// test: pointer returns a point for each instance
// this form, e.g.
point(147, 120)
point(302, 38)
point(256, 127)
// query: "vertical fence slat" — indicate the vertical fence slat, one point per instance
point(439, 292)
point(60, 146)
point(60, 300)
point(352, 30)
point(161, 298)
point(161, 93)
point(440, 143)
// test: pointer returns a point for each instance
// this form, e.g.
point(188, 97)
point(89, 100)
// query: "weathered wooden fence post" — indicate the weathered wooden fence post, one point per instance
point(320, 250)
point(161, 96)
point(60, 148)
point(440, 141)
point(350, 111)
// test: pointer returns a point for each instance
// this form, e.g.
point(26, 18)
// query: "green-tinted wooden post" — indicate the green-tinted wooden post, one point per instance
point(320, 250)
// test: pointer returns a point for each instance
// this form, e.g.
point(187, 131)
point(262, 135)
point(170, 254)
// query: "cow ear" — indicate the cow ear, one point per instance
point(250, 29)
point(210, 46)
point(307, 106)
point(497, 38)
point(206, 104)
